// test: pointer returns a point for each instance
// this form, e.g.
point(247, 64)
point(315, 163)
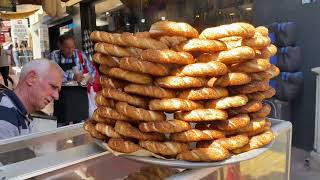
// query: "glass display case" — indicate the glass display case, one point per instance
point(70, 153)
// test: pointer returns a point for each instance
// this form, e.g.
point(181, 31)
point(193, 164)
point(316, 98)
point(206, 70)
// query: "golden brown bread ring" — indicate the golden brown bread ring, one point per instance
point(230, 143)
point(270, 73)
point(234, 123)
point(262, 113)
point(259, 96)
point(265, 128)
point(256, 42)
point(234, 29)
point(164, 148)
point(107, 130)
point(205, 154)
point(262, 30)
point(111, 38)
point(143, 34)
point(172, 41)
point(105, 112)
point(114, 50)
point(89, 126)
point(128, 130)
point(251, 66)
point(150, 91)
point(202, 45)
point(177, 82)
point(252, 87)
point(173, 104)
point(121, 145)
point(97, 118)
point(230, 79)
point(227, 102)
point(212, 68)
point(169, 126)
point(204, 93)
point(142, 42)
point(194, 135)
point(232, 56)
point(127, 75)
point(251, 106)
point(232, 42)
point(122, 96)
point(199, 115)
point(255, 142)
point(171, 28)
point(105, 60)
point(139, 114)
point(110, 82)
point(102, 101)
point(253, 125)
point(136, 65)
point(266, 52)
point(167, 56)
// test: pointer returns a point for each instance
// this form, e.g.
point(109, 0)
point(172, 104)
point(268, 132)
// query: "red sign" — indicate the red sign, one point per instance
point(2, 38)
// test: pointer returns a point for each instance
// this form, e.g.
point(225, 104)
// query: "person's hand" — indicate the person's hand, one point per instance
point(78, 77)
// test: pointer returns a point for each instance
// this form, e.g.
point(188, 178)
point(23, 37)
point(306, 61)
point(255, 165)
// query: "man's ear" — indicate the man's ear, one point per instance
point(31, 77)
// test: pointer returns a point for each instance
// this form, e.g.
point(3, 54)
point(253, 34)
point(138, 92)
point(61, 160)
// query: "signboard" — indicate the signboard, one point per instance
point(19, 29)
point(7, 5)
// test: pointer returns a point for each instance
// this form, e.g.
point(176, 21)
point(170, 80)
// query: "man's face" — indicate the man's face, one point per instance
point(68, 47)
point(47, 89)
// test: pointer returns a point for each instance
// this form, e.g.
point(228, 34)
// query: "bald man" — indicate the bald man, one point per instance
point(39, 84)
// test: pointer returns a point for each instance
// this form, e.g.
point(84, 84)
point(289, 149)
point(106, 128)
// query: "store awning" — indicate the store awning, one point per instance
point(16, 15)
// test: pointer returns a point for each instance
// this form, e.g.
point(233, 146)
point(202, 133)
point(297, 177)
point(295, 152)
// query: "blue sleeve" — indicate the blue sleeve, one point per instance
point(67, 75)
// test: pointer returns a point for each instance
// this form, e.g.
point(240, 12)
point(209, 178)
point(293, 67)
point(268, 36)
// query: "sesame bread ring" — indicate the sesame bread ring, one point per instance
point(128, 130)
point(266, 52)
point(143, 34)
point(172, 41)
point(139, 114)
point(99, 119)
point(255, 142)
point(136, 65)
point(102, 59)
point(102, 101)
point(171, 28)
point(121, 145)
point(252, 87)
point(232, 56)
point(142, 42)
point(167, 56)
point(233, 142)
point(122, 96)
point(251, 106)
point(235, 29)
point(227, 102)
point(252, 66)
point(111, 38)
point(263, 129)
point(232, 42)
point(164, 148)
point(178, 82)
point(127, 75)
point(89, 126)
point(234, 123)
point(107, 130)
point(194, 135)
point(204, 93)
point(150, 91)
point(230, 79)
point(262, 30)
point(202, 45)
point(114, 50)
point(205, 154)
point(262, 113)
point(110, 82)
point(170, 126)
point(256, 42)
point(260, 96)
point(108, 113)
point(253, 125)
point(212, 68)
point(270, 73)
point(173, 104)
point(200, 115)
